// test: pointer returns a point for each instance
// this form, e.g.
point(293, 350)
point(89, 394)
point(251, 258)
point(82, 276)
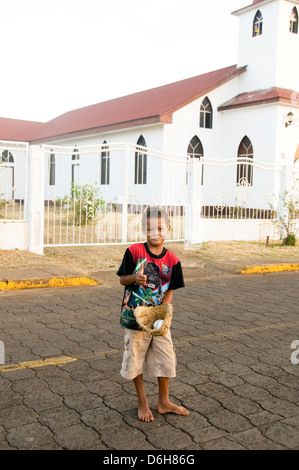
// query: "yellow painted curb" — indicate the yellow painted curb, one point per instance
point(41, 363)
point(54, 282)
point(52, 361)
point(271, 268)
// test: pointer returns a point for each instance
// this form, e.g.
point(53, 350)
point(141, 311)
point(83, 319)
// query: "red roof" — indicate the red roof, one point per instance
point(152, 106)
point(253, 98)
point(18, 130)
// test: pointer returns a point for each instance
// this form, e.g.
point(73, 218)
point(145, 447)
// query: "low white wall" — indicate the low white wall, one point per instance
point(239, 230)
point(13, 235)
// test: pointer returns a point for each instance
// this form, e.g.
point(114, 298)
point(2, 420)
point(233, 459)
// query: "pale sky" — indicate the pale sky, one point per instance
point(60, 55)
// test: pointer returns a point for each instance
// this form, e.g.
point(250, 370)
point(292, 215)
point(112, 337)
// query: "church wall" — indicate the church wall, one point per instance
point(90, 165)
point(254, 51)
point(287, 65)
point(287, 137)
point(272, 58)
point(186, 124)
point(259, 124)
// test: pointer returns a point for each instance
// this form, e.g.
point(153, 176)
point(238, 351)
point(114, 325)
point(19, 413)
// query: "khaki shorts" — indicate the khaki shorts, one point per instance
point(155, 354)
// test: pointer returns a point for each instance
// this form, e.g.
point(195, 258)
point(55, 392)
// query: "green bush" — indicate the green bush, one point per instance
point(289, 216)
point(289, 240)
point(83, 205)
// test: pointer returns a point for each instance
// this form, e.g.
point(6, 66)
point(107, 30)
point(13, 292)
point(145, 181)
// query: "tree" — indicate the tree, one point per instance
point(288, 218)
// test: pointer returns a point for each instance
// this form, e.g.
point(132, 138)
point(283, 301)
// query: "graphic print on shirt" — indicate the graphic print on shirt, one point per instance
point(156, 285)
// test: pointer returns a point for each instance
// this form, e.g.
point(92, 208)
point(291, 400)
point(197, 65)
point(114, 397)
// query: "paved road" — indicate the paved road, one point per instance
point(233, 337)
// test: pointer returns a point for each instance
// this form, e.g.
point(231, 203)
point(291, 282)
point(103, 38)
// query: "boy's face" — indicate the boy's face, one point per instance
point(156, 231)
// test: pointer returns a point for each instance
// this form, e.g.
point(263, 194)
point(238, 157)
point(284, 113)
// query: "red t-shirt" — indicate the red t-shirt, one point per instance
point(163, 272)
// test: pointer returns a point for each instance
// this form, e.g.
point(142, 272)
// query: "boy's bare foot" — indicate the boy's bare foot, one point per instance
point(144, 412)
point(170, 407)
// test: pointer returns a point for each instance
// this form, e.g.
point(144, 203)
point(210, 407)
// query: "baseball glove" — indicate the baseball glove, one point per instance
point(146, 317)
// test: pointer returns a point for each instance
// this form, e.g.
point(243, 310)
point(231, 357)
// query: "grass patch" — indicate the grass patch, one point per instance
point(85, 259)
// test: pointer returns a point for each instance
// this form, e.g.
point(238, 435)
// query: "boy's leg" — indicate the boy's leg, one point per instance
point(136, 346)
point(144, 412)
point(164, 404)
point(161, 363)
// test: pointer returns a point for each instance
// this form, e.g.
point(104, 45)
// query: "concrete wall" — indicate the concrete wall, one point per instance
point(13, 235)
point(237, 230)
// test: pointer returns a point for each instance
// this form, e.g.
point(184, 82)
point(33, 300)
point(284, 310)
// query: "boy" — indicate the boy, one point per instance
point(150, 274)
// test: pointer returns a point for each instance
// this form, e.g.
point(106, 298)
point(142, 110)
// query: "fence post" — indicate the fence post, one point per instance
point(193, 208)
point(125, 195)
point(35, 198)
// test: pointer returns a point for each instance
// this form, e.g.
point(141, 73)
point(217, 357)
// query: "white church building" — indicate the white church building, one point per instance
point(219, 142)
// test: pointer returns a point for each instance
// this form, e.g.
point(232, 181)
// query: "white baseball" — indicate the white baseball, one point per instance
point(158, 324)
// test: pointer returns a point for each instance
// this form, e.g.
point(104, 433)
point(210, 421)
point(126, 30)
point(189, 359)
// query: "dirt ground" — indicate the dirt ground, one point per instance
point(108, 258)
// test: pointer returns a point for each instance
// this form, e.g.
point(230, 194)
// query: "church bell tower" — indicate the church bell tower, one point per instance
point(269, 44)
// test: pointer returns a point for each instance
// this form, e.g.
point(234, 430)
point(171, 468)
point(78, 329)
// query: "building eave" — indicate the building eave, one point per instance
point(262, 97)
point(102, 129)
point(257, 6)
point(253, 6)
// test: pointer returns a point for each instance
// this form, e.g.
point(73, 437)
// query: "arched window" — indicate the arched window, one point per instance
point(244, 165)
point(140, 162)
point(195, 150)
point(105, 164)
point(75, 166)
point(294, 21)
point(7, 157)
point(52, 169)
point(206, 114)
point(7, 175)
point(258, 24)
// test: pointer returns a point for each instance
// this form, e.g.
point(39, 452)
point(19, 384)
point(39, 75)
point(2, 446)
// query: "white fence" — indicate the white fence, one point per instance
point(13, 191)
point(13, 180)
point(97, 194)
point(237, 190)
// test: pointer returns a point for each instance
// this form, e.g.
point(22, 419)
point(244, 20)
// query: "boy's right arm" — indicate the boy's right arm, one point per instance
point(136, 278)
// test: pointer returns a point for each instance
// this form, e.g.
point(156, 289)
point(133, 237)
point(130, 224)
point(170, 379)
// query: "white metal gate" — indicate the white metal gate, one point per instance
point(97, 194)
point(13, 180)
point(239, 190)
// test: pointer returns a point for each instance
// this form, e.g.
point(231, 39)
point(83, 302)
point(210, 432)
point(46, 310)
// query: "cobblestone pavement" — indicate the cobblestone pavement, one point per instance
point(237, 373)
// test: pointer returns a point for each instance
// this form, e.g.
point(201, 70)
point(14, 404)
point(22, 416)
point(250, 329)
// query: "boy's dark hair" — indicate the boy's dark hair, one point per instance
point(154, 212)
